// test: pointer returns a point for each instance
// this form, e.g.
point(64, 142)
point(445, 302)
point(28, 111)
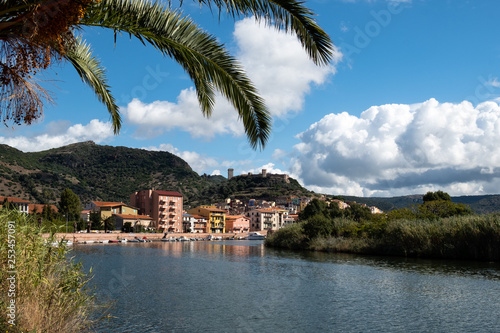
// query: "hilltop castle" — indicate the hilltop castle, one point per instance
point(264, 174)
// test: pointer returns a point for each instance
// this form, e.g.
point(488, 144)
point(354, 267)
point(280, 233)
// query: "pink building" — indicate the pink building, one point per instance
point(164, 207)
point(237, 223)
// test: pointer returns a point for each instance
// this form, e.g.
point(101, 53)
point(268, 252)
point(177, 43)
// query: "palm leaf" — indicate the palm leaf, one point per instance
point(288, 15)
point(205, 60)
point(93, 74)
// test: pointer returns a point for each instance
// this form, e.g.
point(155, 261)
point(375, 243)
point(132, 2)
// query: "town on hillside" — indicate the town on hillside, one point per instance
point(163, 211)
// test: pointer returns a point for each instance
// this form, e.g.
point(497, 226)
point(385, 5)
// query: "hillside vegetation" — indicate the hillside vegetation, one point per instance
point(106, 173)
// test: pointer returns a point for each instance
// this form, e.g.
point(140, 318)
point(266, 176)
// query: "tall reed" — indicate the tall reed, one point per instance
point(475, 237)
point(50, 289)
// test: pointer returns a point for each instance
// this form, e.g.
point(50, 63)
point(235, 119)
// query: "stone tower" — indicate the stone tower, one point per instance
point(230, 173)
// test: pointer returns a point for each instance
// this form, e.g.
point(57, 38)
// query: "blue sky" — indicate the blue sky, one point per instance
point(410, 104)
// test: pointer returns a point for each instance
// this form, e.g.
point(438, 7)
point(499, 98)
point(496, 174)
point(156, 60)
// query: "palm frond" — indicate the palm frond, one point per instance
point(288, 15)
point(205, 60)
point(93, 74)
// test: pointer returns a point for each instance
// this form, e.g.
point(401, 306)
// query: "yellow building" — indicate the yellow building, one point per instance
point(107, 209)
point(216, 218)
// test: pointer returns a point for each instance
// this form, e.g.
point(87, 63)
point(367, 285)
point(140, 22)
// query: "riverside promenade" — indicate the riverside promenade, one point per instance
point(115, 235)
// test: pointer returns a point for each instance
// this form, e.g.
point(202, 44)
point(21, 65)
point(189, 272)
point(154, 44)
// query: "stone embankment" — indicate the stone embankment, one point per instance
point(99, 237)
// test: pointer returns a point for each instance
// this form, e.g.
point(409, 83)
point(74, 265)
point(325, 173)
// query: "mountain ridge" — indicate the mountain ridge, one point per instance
point(108, 173)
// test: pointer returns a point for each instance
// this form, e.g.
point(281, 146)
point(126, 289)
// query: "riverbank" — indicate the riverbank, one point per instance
point(100, 237)
point(42, 290)
point(460, 237)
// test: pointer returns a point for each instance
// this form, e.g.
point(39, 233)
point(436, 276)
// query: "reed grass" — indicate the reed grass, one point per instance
point(475, 237)
point(51, 292)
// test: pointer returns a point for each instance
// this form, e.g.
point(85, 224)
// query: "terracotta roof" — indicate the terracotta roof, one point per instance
point(108, 204)
point(214, 209)
point(12, 199)
point(36, 208)
point(234, 217)
point(169, 193)
point(270, 210)
point(137, 217)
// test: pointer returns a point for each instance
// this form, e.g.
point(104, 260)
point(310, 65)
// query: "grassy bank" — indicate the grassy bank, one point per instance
point(475, 237)
point(41, 289)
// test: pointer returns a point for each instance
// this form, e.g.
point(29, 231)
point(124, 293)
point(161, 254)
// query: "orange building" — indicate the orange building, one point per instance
point(164, 207)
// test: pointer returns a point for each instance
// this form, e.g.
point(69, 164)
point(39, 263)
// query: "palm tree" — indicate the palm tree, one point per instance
point(35, 34)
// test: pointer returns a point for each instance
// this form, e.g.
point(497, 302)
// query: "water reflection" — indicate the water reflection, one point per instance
point(488, 270)
point(241, 286)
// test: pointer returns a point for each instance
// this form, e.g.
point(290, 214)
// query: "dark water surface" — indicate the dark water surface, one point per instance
point(241, 286)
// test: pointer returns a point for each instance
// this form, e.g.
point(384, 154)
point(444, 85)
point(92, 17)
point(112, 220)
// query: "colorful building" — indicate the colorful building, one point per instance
point(138, 222)
point(266, 219)
point(21, 204)
point(164, 207)
point(200, 224)
point(237, 223)
point(216, 218)
point(107, 209)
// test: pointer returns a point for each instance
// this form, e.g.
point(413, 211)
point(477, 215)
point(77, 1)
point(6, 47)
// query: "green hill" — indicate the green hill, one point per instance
point(106, 173)
point(480, 204)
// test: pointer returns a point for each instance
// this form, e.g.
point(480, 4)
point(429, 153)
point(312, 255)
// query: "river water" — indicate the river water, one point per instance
point(241, 286)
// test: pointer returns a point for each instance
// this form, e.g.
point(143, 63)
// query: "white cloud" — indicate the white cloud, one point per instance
point(59, 134)
point(276, 63)
point(493, 82)
point(279, 66)
point(269, 167)
point(159, 116)
point(398, 149)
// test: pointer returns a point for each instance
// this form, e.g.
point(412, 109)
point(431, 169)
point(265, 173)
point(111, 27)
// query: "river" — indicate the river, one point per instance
point(241, 286)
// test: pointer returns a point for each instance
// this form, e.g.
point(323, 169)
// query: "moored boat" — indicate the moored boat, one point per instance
point(255, 236)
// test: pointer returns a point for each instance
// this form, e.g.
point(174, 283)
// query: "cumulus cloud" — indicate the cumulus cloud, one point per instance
point(59, 134)
point(276, 63)
point(399, 149)
point(279, 66)
point(269, 167)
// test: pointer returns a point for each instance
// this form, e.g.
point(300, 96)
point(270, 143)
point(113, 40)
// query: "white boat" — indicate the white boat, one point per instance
point(255, 236)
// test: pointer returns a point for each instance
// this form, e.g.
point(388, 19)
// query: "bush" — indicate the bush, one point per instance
point(290, 237)
point(318, 226)
point(50, 289)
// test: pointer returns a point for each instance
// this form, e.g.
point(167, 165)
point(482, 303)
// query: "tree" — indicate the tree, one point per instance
point(109, 223)
point(39, 33)
point(443, 208)
point(69, 204)
point(358, 212)
point(318, 226)
point(94, 220)
point(313, 208)
point(435, 196)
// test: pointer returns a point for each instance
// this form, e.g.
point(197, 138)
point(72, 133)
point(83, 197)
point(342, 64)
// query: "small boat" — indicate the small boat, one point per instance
point(113, 241)
point(132, 240)
point(255, 236)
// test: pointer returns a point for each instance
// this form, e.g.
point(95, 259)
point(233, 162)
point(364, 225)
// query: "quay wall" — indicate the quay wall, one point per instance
point(83, 237)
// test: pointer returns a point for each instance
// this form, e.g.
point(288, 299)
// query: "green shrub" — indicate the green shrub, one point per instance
point(50, 290)
point(290, 237)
